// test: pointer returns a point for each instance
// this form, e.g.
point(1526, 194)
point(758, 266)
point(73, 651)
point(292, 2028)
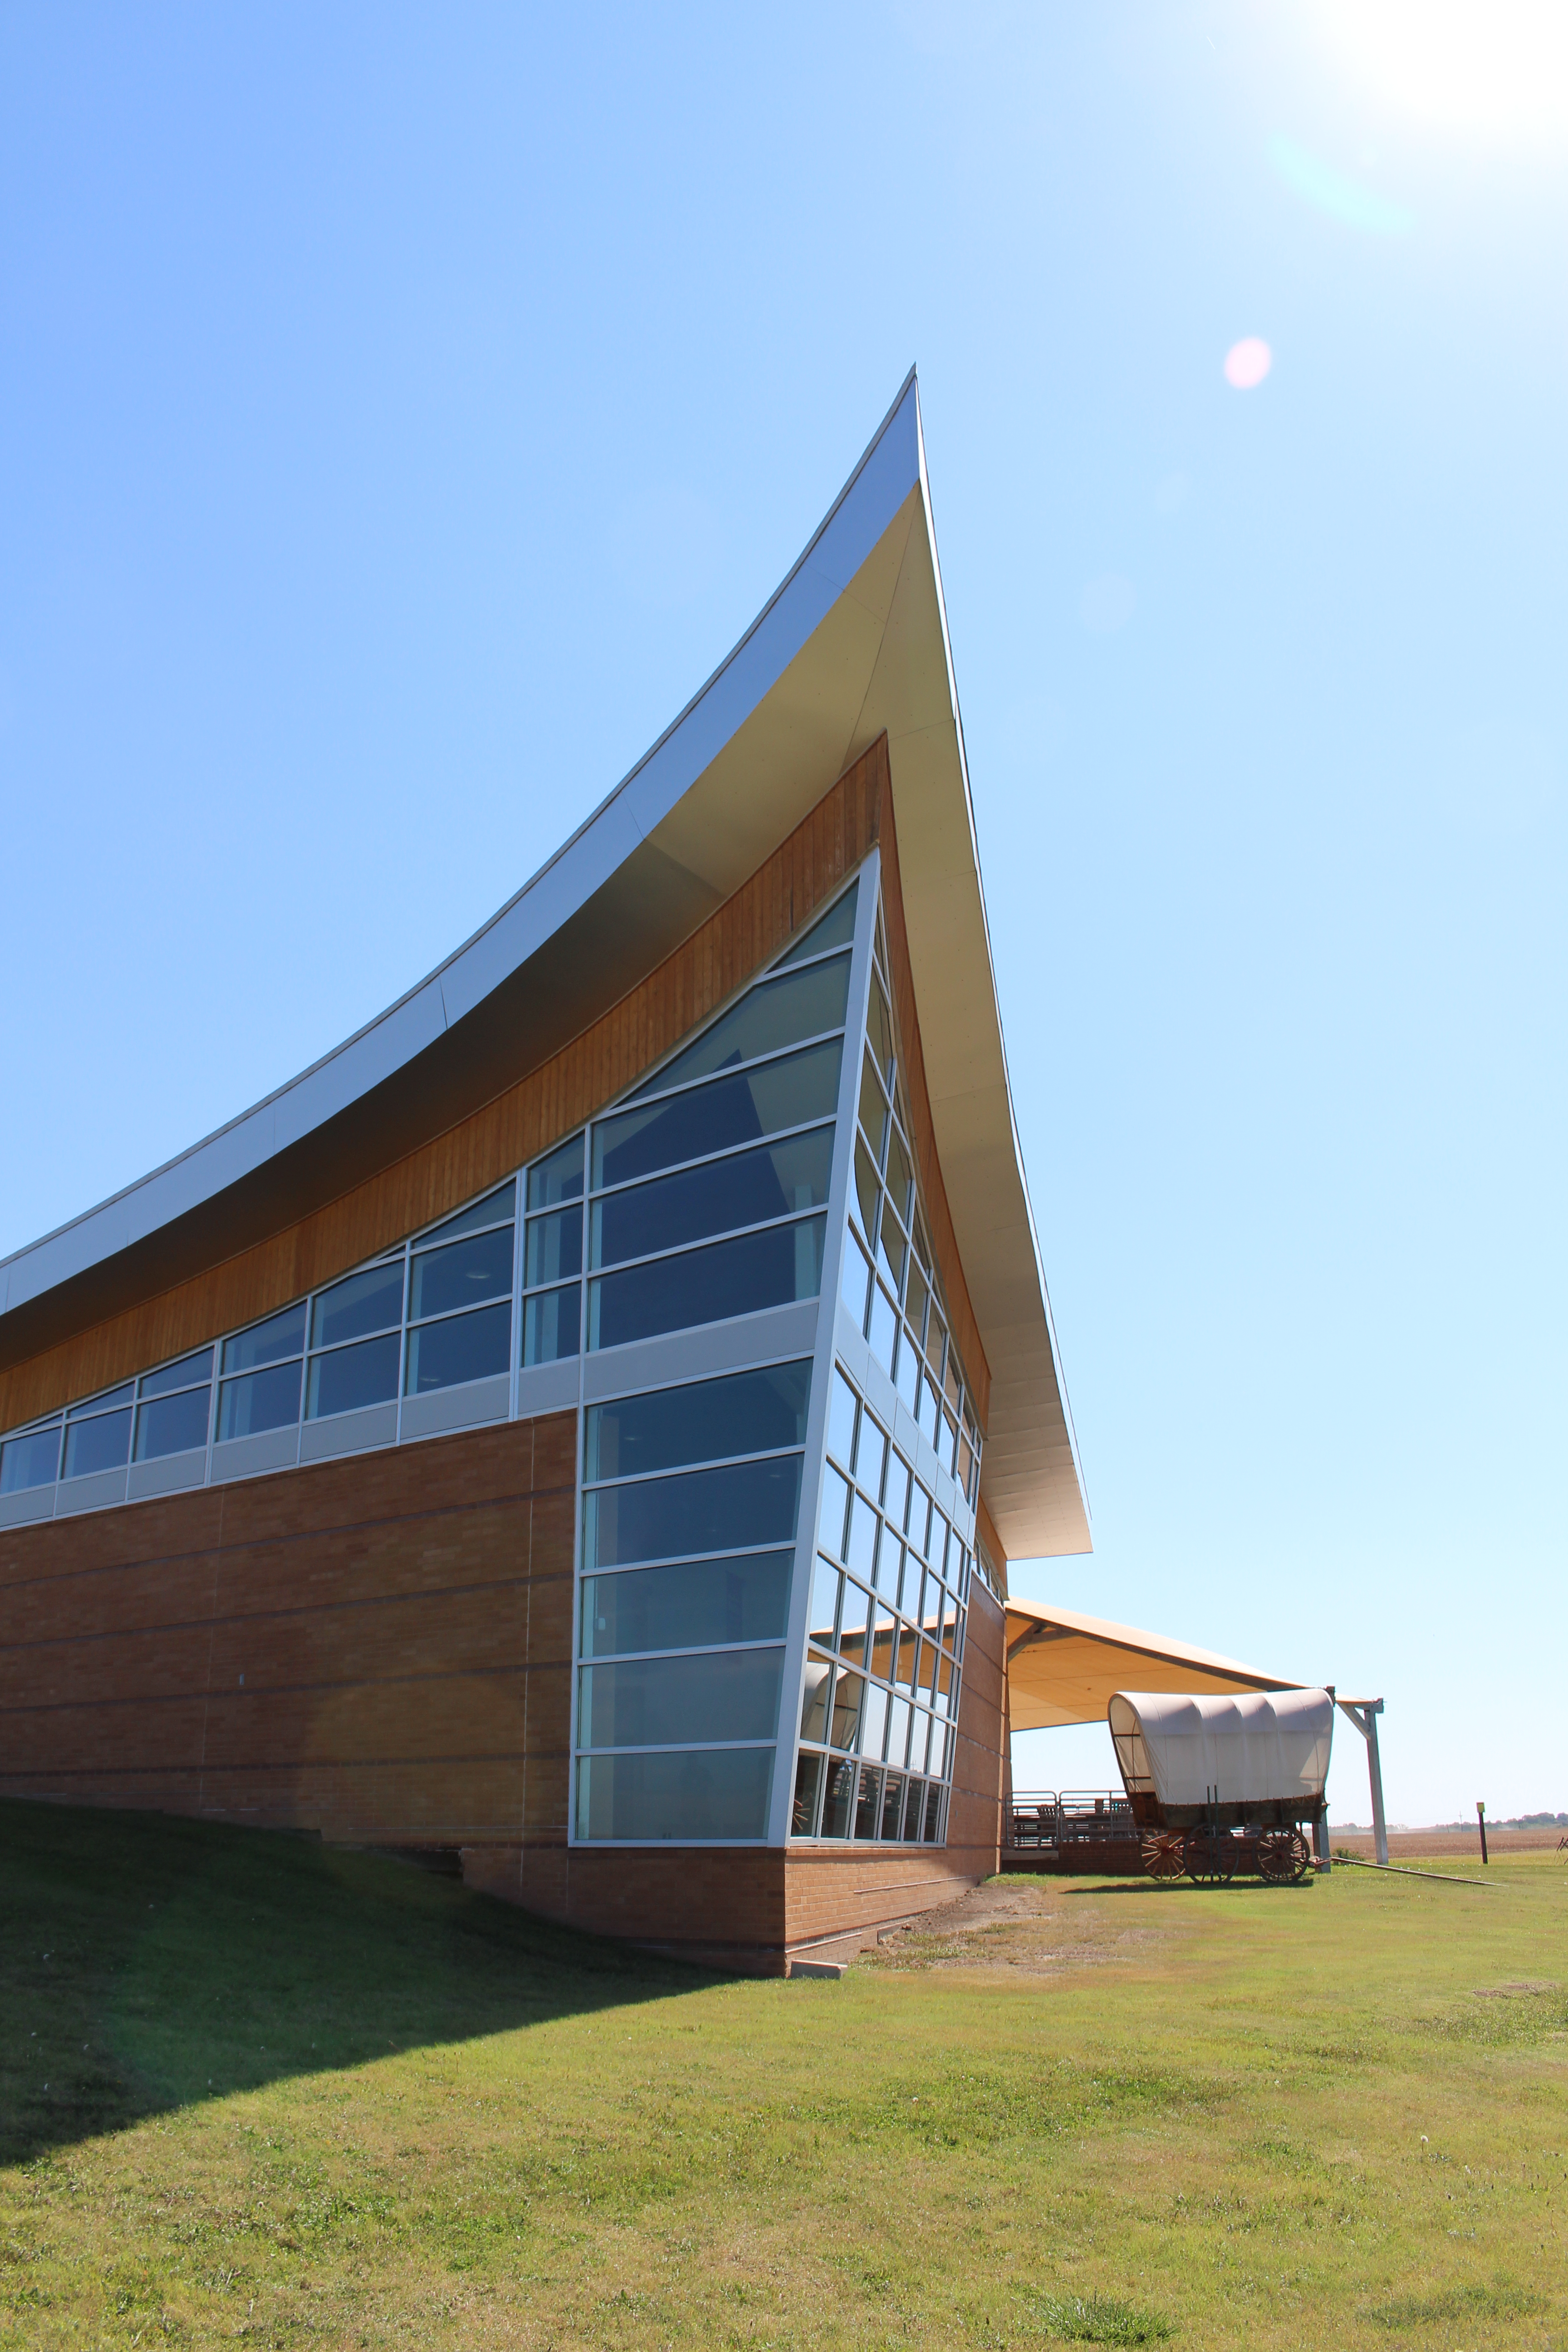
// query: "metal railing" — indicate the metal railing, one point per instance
point(1058, 1817)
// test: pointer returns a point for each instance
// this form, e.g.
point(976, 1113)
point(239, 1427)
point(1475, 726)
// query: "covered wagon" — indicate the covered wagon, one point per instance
point(1222, 1783)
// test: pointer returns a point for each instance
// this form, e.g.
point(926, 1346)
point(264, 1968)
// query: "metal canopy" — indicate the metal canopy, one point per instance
point(1065, 1668)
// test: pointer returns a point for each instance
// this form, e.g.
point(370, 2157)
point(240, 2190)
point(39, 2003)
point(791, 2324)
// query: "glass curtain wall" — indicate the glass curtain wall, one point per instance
point(707, 1190)
point(889, 1585)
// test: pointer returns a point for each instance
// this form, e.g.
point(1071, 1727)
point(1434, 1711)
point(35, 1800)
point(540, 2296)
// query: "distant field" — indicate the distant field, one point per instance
point(255, 2092)
point(1404, 1843)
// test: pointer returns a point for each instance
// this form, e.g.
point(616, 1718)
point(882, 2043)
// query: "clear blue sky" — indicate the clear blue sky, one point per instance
point(403, 409)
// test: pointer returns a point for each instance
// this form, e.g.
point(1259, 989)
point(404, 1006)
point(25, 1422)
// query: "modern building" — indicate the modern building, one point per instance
point(582, 1424)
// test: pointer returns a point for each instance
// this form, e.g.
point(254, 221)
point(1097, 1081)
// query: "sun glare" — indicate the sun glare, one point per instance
point(1494, 66)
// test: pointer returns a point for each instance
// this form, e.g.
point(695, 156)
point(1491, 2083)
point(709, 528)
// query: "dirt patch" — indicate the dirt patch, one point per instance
point(1034, 1930)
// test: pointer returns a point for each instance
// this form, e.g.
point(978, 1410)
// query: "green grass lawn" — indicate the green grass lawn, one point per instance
point(254, 2090)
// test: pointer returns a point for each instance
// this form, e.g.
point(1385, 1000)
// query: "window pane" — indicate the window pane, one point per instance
point(366, 1302)
point(837, 1797)
point(920, 1740)
point(688, 1606)
point(105, 1398)
point(908, 1378)
point(936, 1339)
point(915, 1300)
point(32, 1461)
point(914, 1808)
point(744, 1412)
point(879, 1641)
point(876, 1118)
point(934, 1813)
point(182, 1375)
point(788, 1093)
point(861, 1555)
point(557, 1177)
point(852, 1627)
point(836, 929)
point(901, 1176)
point(703, 1510)
point(871, 1460)
point(880, 1030)
point(720, 1794)
point(927, 1418)
point(268, 1400)
point(822, 1618)
point(657, 1702)
point(898, 1735)
point(868, 1803)
point(265, 1343)
point(884, 1327)
point(868, 1196)
point(847, 1692)
point(772, 1268)
point(101, 1444)
point(501, 1203)
point(841, 1421)
point(554, 1248)
point(891, 1248)
point(802, 1004)
point(172, 1425)
point(551, 1325)
point(747, 1189)
point(807, 1786)
point(830, 1519)
point(873, 1720)
point(919, 1521)
point(816, 1698)
point(896, 1503)
point(893, 1805)
point(854, 1280)
point(464, 1348)
point(351, 1377)
point(460, 1275)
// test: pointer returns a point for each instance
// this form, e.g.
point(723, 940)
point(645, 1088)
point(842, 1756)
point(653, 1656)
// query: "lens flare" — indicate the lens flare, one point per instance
point(1247, 363)
point(1499, 68)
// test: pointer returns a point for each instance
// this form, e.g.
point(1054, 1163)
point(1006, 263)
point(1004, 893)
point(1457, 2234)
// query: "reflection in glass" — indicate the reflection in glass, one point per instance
point(182, 1375)
point(807, 1786)
point(913, 1810)
point(876, 1118)
point(822, 1619)
point(817, 1694)
point(884, 1328)
point(854, 1281)
point(266, 1343)
point(720, 1793)
point(720, 1694)
point(791, 1092)
point(879, 1030)
point(934, 1812)
point(463, 1348)
point(847, 1692)
point(30, 1461)
point(777, 1014)
point(748, 1503)
point(890, 1249)
point(351, 1377)
point(689, 1606)
point(893, 1805)
point(774, 1268)
point(873, 1720)
point(172, 1425)
point(852, 1627)
point(558, 1177)
point(749, 1188)
point(554, 1248)
point(702, 1421)
point(841, 1405)
point(861, 1554)
point(837, 1798)
point(869, 1802)
point(266, 1400)
point(834, 1504)
point(101, 1444)
point(366, 1302)
point(899, 1178)
point(871, 1460)
point(460, 1274)
point(551, 1325)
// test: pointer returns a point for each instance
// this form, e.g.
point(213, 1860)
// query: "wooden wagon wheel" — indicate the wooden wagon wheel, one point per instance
point(1161, 1852)
point(1284, 1857)
point(1208, 1856)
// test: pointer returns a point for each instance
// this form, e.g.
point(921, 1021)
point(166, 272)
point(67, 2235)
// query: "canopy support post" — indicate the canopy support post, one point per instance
point(1364, 1713)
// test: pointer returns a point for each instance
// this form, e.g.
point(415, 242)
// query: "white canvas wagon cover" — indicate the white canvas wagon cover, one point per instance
point(1256, 1748)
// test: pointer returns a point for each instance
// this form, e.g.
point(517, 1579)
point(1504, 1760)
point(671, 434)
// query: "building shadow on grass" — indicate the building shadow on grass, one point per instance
point(148, 1963)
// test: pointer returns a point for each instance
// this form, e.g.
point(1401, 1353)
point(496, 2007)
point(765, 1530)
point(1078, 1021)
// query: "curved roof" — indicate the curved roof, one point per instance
point(852, 645)
point(1063, 1667)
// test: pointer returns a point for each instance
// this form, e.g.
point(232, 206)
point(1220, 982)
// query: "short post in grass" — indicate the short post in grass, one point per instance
point(1481, 1818)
